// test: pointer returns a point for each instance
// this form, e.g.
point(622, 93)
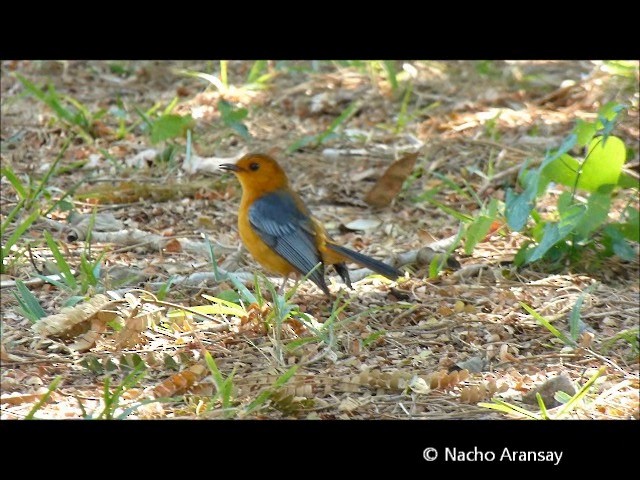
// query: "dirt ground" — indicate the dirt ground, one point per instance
point(418, 348)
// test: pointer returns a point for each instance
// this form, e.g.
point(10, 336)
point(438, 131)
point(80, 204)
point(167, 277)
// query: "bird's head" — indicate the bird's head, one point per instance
point(258, 173)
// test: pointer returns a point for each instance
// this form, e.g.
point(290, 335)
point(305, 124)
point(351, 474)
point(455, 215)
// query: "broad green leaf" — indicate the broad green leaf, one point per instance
point(566, 146)
point(477, 230)
point(555, 232)
point(563, 170)
point(615, 240)
point(585, 132)
point(631, 228)
point(170, 126)
point(565, 202)
point(608, 113)
point(597, 213)
point(627, 181)
point(602, 166)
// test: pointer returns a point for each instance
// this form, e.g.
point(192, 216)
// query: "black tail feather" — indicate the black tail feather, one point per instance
point(365, 261)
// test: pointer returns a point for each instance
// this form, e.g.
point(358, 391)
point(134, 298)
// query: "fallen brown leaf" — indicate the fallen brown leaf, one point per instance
point(388, 186)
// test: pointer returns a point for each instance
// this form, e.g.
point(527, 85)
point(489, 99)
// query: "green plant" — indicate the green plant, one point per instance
point(569, 403)
point(29, 305)
point(328, 133)
point(68, 110)
point(224, 387)
point(88, 272)
point(28, 207)
point(581, 224)
point(38, 405)
point(112, 399)
point(232, 118)
point(630, 335)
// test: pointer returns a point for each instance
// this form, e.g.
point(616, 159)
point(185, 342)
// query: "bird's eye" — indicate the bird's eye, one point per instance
point(254, 166)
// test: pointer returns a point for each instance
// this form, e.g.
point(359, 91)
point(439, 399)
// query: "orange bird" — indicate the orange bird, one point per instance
point(281, 234)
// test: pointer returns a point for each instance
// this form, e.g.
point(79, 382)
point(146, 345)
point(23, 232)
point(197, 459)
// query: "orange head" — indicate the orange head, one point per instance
point(258, 174)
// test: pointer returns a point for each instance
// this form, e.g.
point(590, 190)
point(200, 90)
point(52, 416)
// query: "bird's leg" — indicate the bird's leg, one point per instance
point(284, 283)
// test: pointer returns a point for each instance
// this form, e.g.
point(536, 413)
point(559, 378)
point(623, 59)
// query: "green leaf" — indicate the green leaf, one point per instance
point(627, 181)
point(229, 296)
point(28, 302)
point(170, 126)
point(478, 229)
point(608, 113)
point(597, 213)
point(256, 69)
point(555, 232)
point(603, 164)
point(580, 393)
point(616, 242)
point(65, 270)
point(232, 118)
point(585, 132)
point(518, 206)
point(391, 74)
point(229, 114)
point(454, 213)
point(18, 232)
point(476, 232)
point(563, 170)
point(546, 324)
point(566, 146)
point(301, 142)
point(15, 181)
point(576, 325)
point(631, 228)
point(45, 398)
point(346, 114)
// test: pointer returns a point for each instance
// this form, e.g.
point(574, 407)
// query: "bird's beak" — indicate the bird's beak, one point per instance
point(229, 167)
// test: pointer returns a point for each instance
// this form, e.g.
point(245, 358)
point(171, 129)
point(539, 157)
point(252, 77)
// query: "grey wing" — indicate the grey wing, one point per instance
point(279, 223)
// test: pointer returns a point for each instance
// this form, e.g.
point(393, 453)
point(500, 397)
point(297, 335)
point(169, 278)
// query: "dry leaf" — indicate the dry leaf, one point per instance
point(173, 246)
point(363, 224)
point(388, 186)
point(180, 382)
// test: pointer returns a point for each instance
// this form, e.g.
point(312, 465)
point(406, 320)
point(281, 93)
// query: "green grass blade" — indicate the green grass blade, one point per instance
point(242, 290)
point(52, 168)
point(580, 393)
point(266, 394)
point(12, 214)
point(256, 69)
point(509, 408)
point(454, 213)
point(546, 324)
point(18, 232)
point(45, 397)
point(29, 302)
point(575, 322)
point(15, 181)
point(543, 408)
point(392, 74)
point(346, 113)
point(65, 270)
point(55, 283)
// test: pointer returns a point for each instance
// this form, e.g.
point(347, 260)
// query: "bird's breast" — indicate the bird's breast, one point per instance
point(259, 250)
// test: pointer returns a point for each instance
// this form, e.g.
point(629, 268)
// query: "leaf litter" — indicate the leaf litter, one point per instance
point(424, 348)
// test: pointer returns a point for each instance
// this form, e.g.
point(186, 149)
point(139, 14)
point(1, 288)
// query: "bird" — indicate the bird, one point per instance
point(281, 234)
